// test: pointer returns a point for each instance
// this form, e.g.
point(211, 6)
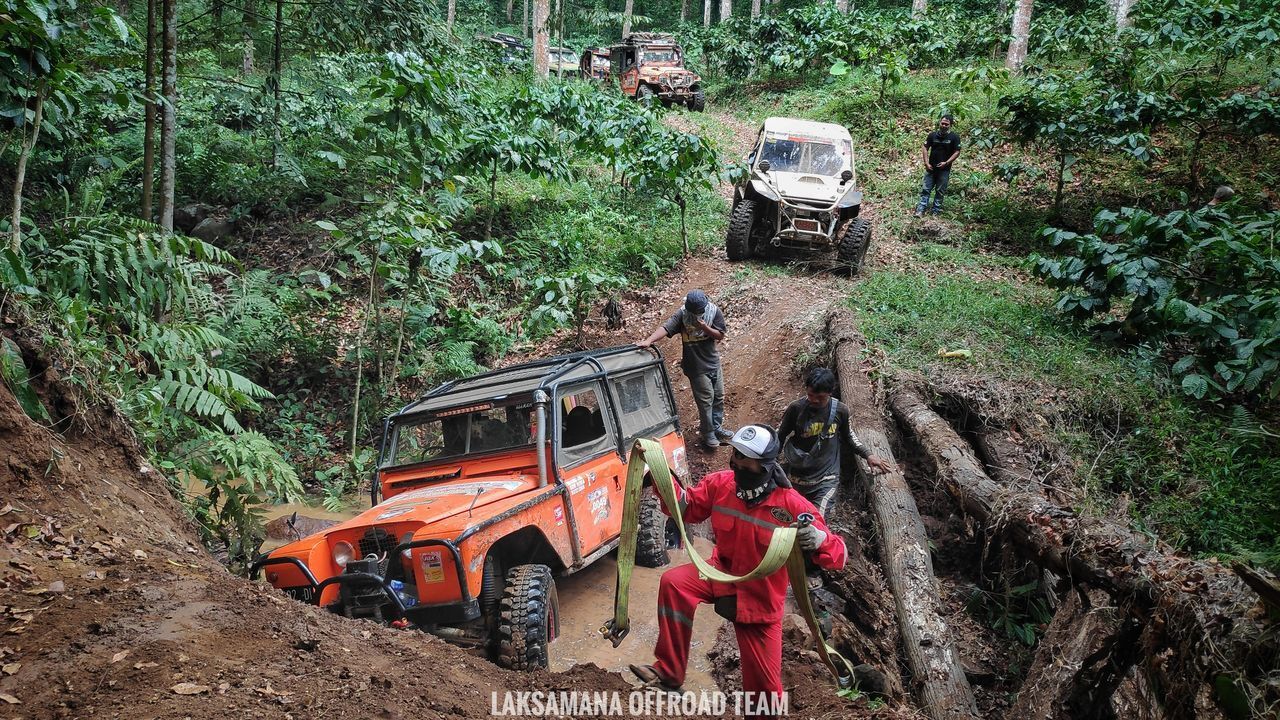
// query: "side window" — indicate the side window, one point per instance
point(644, 407)
point(584, 429)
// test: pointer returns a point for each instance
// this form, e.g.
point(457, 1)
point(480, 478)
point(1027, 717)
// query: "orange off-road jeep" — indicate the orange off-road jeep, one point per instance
point(486, 489)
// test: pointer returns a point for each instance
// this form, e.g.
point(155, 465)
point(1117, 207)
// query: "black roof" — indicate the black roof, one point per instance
point(519, 381)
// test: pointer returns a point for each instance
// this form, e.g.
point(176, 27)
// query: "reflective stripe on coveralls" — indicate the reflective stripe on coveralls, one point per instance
point(648, 456)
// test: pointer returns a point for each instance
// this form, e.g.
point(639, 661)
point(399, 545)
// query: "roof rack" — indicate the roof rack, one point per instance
point(649, 38)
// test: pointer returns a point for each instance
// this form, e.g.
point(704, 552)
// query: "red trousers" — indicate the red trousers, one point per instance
point(759, 644)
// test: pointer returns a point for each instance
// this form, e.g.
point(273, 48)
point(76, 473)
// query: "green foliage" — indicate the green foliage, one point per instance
point(1205, 284)
point(1018, 611)
point(14, 373)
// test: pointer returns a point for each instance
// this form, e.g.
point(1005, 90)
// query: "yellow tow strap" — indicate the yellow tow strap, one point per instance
point(783, 550)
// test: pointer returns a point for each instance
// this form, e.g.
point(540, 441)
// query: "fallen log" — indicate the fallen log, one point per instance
point(1083, 634)
point(939, 682)
point(1200, 622)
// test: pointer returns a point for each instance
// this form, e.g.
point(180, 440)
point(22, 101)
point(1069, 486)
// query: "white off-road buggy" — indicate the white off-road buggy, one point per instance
point(800, 194)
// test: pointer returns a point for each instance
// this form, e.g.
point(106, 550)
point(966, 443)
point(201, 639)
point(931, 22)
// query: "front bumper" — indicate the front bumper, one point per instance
point(802, 227)
point(466, 609)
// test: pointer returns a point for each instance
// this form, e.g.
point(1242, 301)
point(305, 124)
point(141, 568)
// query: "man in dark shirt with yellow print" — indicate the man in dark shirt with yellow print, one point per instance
point(812, 431)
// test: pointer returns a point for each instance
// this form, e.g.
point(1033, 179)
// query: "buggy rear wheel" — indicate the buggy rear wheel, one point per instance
point(737, 244)
point(529, 618)
point(852, 248)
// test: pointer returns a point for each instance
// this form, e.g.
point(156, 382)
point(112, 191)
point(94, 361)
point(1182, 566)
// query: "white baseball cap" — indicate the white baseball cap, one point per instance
point(755, 441)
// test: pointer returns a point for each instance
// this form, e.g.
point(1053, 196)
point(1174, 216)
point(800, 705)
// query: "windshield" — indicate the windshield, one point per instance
point(803, 154)
point(666, 56)
point(563, 57)
point(481, 431)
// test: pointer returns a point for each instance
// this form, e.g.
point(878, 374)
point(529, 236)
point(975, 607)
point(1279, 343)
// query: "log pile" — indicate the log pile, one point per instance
point(1189, 626)
point(939, 683)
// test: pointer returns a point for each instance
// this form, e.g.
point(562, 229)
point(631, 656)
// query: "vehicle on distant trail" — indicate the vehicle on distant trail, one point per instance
point(511, 50)
point(487, 488)
point(594, 64)
point(562, 62)
point(801, 193)
point(651, 66)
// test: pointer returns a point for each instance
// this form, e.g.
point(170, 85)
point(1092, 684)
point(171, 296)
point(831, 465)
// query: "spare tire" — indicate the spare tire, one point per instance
point(651, 534)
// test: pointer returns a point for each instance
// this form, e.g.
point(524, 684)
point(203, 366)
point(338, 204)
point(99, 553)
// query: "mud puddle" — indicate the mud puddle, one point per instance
point(586, 601)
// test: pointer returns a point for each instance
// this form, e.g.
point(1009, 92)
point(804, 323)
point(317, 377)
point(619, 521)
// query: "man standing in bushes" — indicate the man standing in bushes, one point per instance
point(941, 148)
point(813, 429)
point(700, 325)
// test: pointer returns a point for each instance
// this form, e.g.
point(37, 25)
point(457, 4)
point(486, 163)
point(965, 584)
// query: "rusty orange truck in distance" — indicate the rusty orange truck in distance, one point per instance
point(487, 488)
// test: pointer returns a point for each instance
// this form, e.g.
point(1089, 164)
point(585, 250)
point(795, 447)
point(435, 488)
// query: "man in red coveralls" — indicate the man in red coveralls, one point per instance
point(745, 504)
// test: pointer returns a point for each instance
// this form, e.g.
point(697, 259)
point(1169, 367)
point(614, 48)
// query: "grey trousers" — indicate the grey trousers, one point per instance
point(820, 491)
point(708, 394)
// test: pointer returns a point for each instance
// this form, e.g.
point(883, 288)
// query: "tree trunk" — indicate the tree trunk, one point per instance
point(169, 120)
point(684, 10)
point(1062, 180)
point(1021, 34)
point(450, 13)
point(149, 119)
point(1179, 603)
point(493, 200)
point(20, 173)
point(541, 11)
point(919, 8)
point(726, 9)
point(684, 233)
point(942, 689)
point(755, 9)
point(842, 6)
point(524, 21)
point(706, 13)
point(626, 17)
point(1122, 8)
point(276, 68)
point(250, 22)
point(511, 4)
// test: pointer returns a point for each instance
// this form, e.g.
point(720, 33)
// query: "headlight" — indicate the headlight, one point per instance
point(406, 554)
point(342, 553)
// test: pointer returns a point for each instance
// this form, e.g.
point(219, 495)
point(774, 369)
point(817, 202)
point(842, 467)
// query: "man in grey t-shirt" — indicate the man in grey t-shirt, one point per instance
point(700, 325)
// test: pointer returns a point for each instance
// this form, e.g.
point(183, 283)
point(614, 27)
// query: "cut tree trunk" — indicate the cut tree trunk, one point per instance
point(626, 17)
point(541, 14)
point(919, 8)
point(1021, 34)
point(1198, 619)
point(1080, 633)
point(149, 117)
point(169, 119)
point(940, 684)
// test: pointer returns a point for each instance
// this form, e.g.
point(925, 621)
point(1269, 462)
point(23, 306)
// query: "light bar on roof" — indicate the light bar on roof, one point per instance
point(464, 410)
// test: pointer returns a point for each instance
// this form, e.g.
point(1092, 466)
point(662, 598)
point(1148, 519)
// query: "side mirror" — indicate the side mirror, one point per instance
point(764, 166)
point(846, 176)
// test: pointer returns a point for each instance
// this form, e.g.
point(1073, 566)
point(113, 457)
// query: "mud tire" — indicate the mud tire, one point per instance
point(698, 102)
point(651, 535)
point(529, 618)
point(645, 94)
point(852, 248)
point(737, 244)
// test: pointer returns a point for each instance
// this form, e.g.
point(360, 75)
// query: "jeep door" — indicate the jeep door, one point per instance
point(588, 462)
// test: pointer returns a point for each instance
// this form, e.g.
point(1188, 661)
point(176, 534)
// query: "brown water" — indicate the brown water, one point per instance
point(271, 512)
point(586, 602)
